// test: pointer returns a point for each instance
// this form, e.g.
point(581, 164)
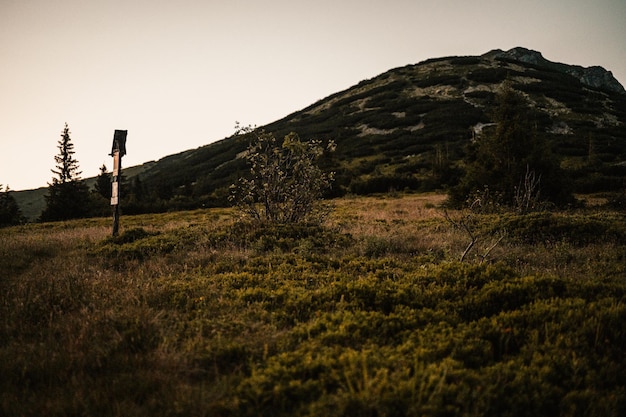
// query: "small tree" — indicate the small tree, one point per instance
point(103, 183)
point(10, 213)
point(68, 195)
point(286, 184)
point(67, 166)
point(100, 195)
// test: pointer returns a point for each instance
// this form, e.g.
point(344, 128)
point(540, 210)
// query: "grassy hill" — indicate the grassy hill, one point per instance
point(392, 129)
point(408, 128)
point(372, 314)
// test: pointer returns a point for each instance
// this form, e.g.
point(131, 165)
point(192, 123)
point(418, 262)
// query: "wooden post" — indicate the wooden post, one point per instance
point(117, 151)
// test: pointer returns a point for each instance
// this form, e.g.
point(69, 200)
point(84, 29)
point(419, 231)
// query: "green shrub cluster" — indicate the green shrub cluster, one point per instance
point(137, 244)
point(550, 227)
point(234, 319)
point(454, 340)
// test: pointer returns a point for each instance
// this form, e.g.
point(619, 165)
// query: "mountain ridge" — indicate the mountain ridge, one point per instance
point(594, 76)
point(400, 129)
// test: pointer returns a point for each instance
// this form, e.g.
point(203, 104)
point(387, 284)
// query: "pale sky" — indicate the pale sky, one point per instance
point(178, 74)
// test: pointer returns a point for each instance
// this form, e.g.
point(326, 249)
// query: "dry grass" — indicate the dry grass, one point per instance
point(411, 224)
point(416, 224)
point(412, 207)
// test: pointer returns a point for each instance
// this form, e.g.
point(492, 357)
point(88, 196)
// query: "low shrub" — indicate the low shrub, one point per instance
point(286, 238)
point(545, 227)
point(137, 244)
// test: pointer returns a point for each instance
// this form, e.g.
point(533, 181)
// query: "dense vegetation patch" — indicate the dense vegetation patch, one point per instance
point(370, 314)
point(575, 229)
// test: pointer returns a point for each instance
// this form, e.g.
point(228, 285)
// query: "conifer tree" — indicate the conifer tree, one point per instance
point(103, 183)
point(512, 165)
point(10, 213)
point(67, 166)
point(100, 194)
point(68, 195)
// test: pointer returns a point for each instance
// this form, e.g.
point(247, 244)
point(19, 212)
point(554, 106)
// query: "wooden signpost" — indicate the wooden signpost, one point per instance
point(117, 151)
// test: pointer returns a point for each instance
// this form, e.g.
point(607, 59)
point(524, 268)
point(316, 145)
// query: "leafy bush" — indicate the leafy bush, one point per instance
point(286, 185)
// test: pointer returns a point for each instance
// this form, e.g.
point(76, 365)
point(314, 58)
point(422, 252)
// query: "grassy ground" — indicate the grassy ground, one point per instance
point(196, 314)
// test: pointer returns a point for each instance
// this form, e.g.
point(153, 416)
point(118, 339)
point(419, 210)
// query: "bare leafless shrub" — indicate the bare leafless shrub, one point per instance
point(527, 193)
point(468, 222)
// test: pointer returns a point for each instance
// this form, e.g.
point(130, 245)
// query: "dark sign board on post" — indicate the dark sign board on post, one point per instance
point(119, 142)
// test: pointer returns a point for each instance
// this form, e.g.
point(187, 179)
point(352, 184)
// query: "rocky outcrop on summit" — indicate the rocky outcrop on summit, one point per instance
point(595, 76)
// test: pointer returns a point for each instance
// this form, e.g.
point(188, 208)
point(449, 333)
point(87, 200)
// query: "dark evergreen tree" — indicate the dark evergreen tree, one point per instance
point(67, 166)
point(101, 194)
point(103, 183)
point(68, 195)
point(512, 165)
point(10, 213)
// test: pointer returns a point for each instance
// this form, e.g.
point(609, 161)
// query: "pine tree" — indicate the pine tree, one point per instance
point(10, 213)
point(68, 195)
point(100, 194)
point(103, 183)
point(67, 166)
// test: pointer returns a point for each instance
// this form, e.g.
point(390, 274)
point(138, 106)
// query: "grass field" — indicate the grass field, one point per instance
point(372, 314)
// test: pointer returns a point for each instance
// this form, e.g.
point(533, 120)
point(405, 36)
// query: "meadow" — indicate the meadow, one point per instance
point(371, 314)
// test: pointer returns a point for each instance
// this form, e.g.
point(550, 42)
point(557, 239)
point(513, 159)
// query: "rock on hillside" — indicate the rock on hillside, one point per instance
point(594, 76)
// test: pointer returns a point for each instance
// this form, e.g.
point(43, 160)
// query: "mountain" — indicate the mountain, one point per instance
point(595, 77)
point(408, 128)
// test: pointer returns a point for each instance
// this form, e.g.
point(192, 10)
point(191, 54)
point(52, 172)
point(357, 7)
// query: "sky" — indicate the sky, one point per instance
point(179, 74)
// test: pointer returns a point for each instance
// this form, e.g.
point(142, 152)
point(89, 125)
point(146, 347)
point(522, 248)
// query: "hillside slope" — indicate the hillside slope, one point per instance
point(408, 128)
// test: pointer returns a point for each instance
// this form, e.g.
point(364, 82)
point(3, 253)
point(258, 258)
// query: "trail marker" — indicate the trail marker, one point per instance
point(117, 151)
